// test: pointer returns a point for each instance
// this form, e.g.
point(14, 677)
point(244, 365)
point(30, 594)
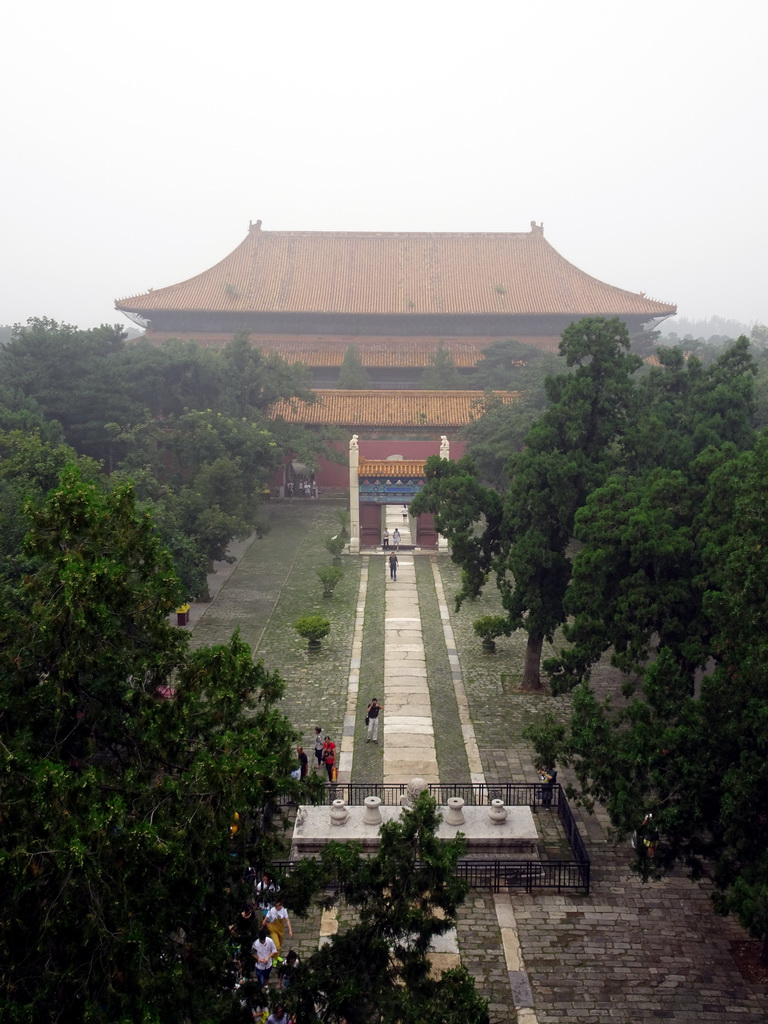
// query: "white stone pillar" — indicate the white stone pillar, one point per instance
point(354, 496)
point(445, 453)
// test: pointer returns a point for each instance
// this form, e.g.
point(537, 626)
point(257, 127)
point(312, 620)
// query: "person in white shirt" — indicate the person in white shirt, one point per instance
point(265, 892)
point(263, 952)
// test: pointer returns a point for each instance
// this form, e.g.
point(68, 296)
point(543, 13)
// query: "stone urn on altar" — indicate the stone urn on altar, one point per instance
point(497, 812)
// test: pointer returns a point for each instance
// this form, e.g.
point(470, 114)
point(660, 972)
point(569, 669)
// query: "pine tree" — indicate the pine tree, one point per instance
point(352, 375)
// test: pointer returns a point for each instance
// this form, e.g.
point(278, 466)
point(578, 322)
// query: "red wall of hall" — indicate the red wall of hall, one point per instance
point(331, 474)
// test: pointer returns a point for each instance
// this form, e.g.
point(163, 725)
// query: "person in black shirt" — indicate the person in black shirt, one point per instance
point(372, 718)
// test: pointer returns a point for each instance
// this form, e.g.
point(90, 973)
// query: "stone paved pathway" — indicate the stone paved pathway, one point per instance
point(627, 953)
point(408, 735)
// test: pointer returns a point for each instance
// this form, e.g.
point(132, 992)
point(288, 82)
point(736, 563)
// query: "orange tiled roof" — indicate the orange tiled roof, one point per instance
point(387, 408)
point(393, 272)
point(319, 350)
point(395, 468)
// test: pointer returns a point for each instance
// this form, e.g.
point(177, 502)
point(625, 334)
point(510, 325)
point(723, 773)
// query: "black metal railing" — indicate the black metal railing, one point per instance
point(524, 874)
point(496, 875)
point(514, 794)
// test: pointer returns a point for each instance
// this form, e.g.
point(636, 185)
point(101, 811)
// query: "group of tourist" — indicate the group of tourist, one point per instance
point(325, 753)
point(257, 939)
point(304, 488)
point(395, 539)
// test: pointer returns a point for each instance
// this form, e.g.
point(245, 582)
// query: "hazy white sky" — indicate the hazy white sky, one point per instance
point(139, 139)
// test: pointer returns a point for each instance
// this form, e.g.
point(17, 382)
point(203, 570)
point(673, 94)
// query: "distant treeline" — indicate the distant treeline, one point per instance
point(714, 327)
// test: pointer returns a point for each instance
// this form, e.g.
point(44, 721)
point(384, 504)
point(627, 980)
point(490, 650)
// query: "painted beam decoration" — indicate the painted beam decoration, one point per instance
point(389, 491)
point(379, 485)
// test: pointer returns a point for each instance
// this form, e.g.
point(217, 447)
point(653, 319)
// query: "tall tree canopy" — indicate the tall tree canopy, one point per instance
point(638, 578)
point(670, 579)
point(695, 757)
point(353, 376)
point(568, 451)
point(189, 426)
point(441, 374)
point(123, 759)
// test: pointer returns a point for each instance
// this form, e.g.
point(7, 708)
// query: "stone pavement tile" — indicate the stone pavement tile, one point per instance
point(408, 723)
point(396, 656)
point(395, 671)
point(408, 704)
point(397, 634)
point(406, 741)
point(395, 774)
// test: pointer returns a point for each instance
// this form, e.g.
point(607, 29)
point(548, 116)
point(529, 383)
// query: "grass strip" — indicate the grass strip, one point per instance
point(449, 741)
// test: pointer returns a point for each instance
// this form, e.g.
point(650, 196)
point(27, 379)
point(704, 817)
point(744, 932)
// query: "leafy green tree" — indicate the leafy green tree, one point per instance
point(758, 336)
point(695, 757)
point(638, 579)
point(498, 429)
point(568, 451)
point(208, 470)
point(510, 365)
point(684, 407)
point(167, 379)
point(734, 737)
point(352, 374)
point(20, 413)
point(29, 468)
point(441, 374)
point(468, 514)
point(330, 576)
point(377, 969)
point(251, 381)
point(123, 760)
point(73, 376)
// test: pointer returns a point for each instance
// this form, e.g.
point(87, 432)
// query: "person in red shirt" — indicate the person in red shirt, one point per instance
point(329, 756)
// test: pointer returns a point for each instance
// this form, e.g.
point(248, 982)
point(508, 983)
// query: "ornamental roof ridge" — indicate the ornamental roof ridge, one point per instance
point(397, 234)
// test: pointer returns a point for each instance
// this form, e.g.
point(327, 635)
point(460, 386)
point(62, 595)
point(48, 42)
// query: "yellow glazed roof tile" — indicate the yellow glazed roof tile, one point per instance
point(388, 408)
point(392, 272)
point(393, 468)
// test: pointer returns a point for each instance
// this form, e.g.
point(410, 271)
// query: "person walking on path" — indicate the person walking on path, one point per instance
point(319, 745)
point(279, 1016)
point(265, 892)
point(548, 777)
point(276, 920)
point(372, 720)
point(303, 763)
point(263, 951)
point(393, 566)
point(385, 539)
point(396, 539)
point(287, 970)
point(329, 756)
point(405, 513)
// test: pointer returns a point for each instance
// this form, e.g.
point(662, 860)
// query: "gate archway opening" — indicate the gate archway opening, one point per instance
point(380, 492)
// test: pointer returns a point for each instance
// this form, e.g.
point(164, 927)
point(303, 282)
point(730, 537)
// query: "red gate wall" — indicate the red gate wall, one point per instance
point(370, 525)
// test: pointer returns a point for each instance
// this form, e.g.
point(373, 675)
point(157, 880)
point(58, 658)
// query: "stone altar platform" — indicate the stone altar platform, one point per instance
point(515, 837)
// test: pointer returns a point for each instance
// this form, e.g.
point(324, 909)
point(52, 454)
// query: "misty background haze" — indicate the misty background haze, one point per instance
point(141, 139)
